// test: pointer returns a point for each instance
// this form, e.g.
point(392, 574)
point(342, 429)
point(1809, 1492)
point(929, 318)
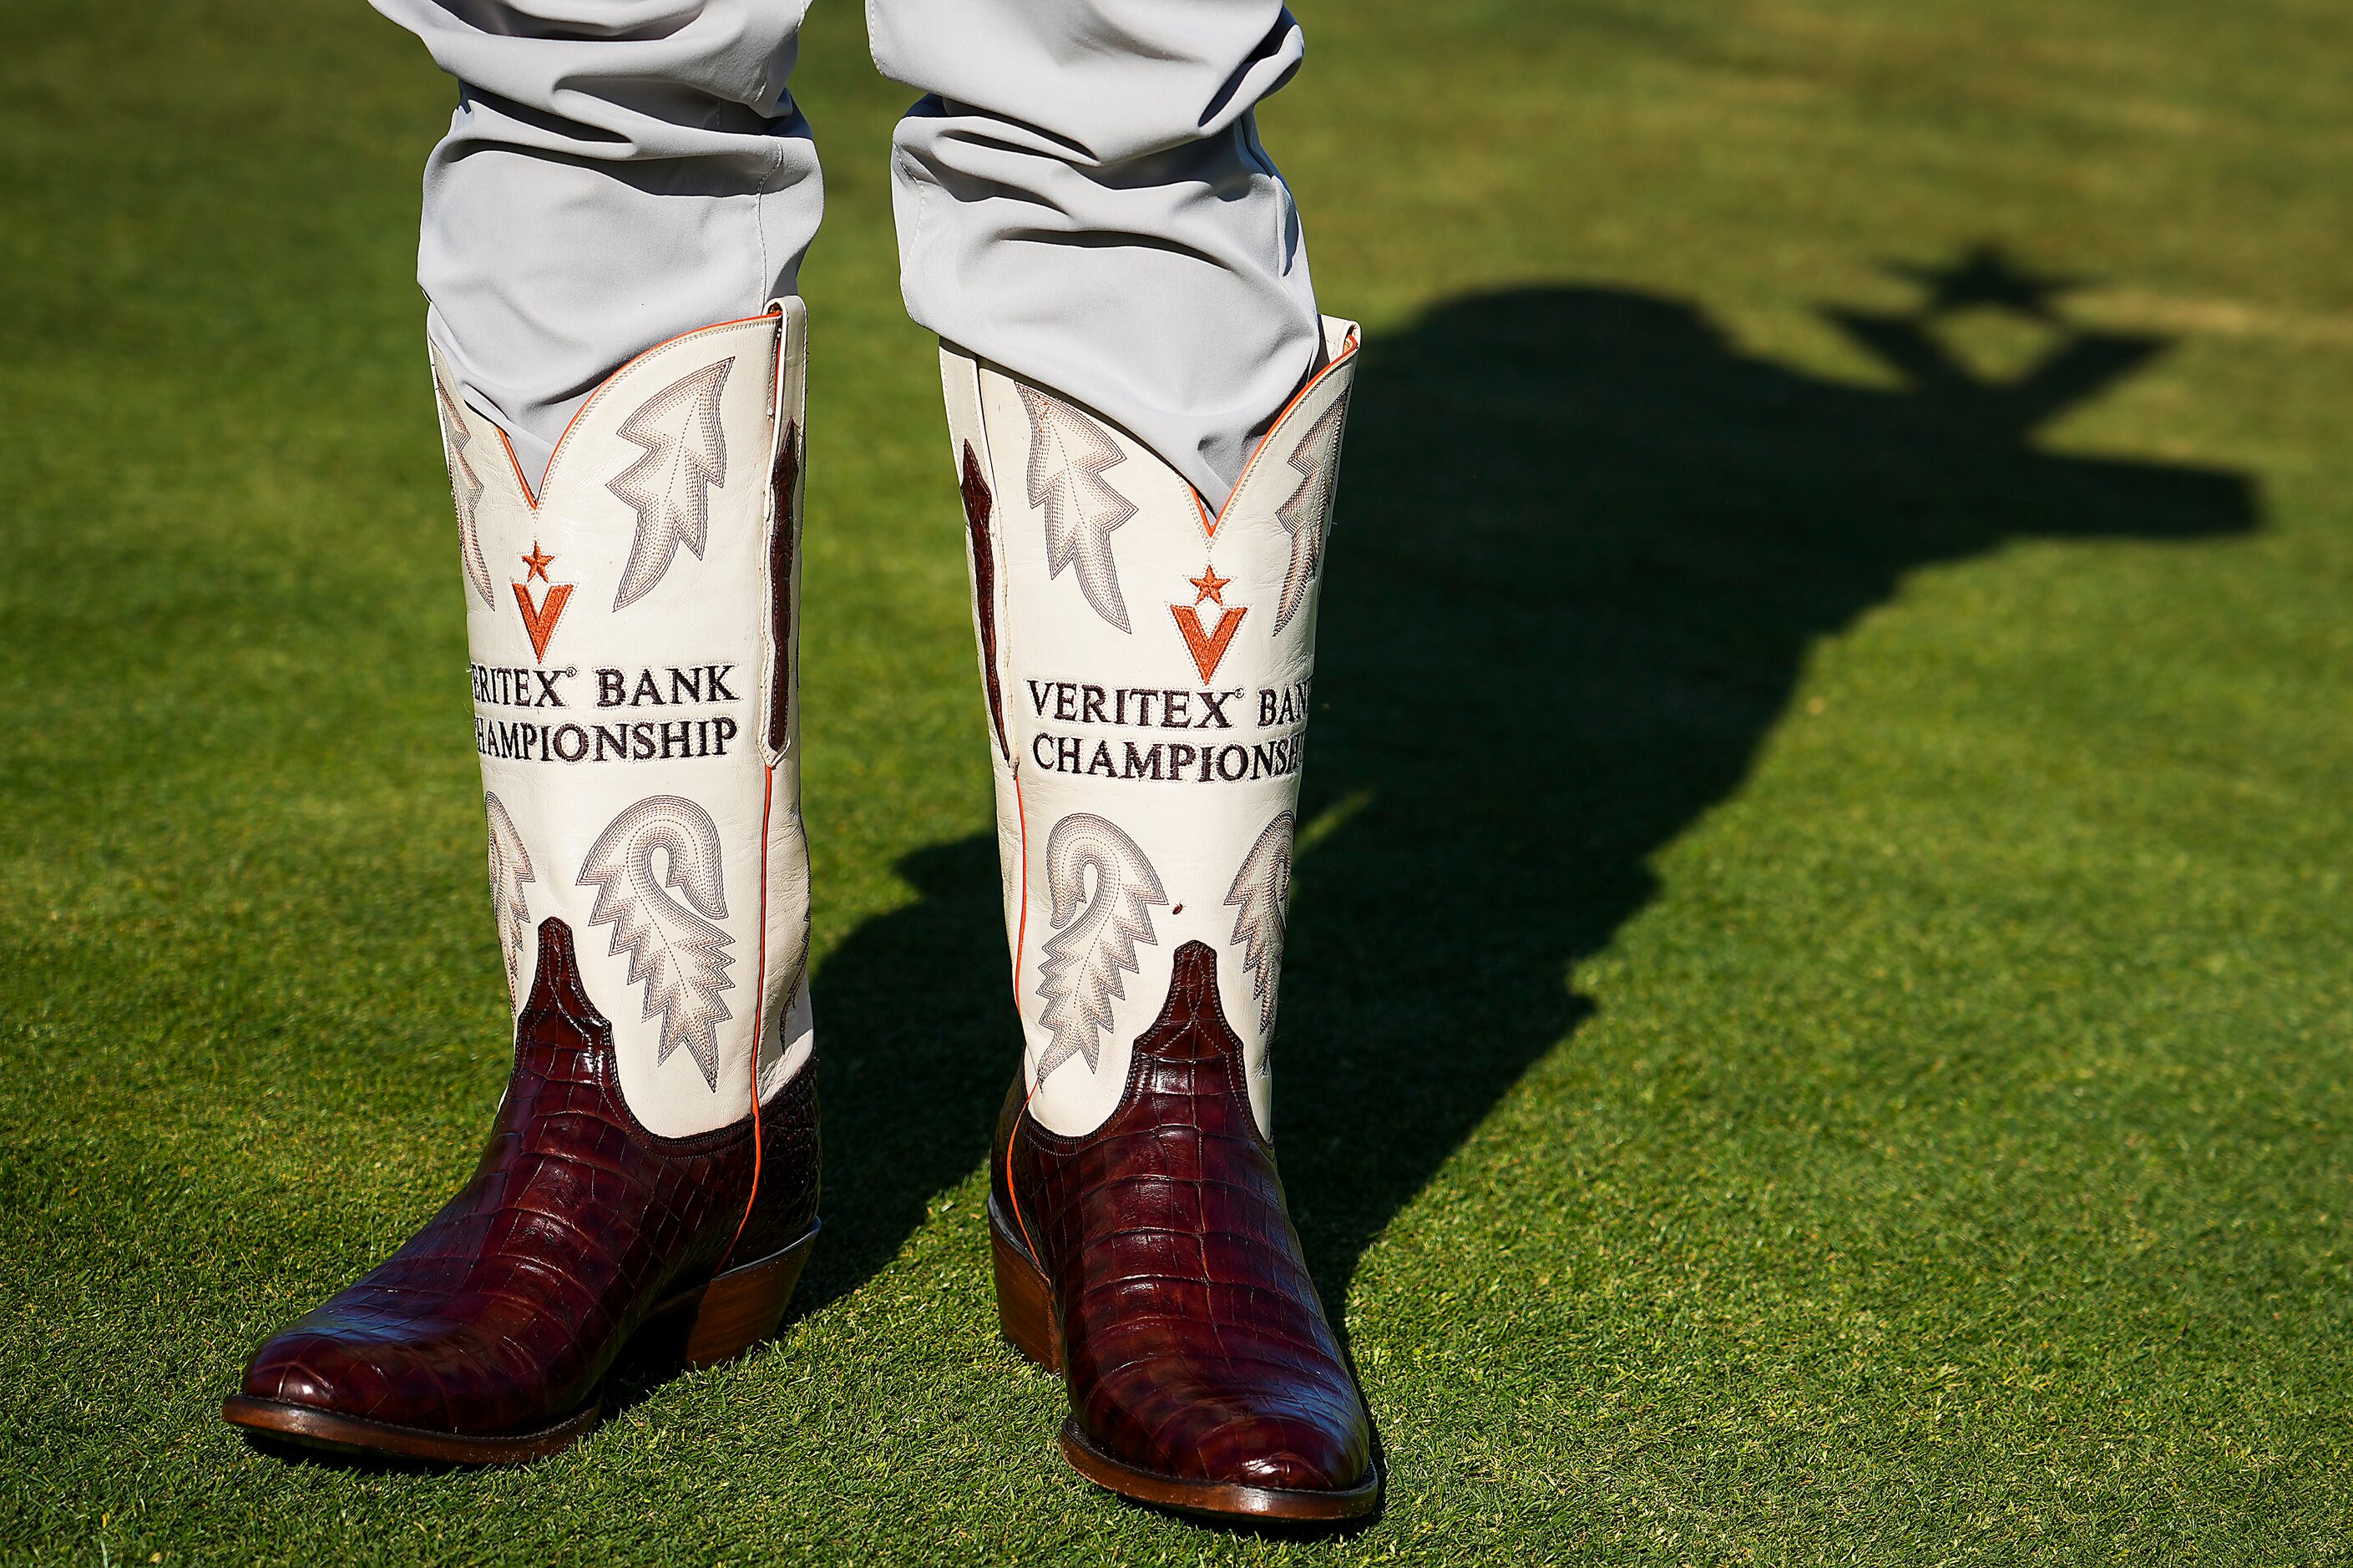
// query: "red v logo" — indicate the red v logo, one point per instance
point(1208, 647)
point(540, 619)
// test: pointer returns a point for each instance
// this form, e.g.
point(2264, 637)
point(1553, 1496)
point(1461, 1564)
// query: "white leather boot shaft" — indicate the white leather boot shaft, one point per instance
point(1148, 668)
point(631, 629)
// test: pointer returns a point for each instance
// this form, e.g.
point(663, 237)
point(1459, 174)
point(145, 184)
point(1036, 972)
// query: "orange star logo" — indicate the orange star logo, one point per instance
point(1212, 586)
point(539, 619)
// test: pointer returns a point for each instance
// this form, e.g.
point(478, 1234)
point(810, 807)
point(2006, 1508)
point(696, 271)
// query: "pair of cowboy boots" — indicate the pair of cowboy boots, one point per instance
point(650, 1185)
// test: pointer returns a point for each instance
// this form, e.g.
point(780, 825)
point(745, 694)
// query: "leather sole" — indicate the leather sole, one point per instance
point(1220, 1500)
point(1026, 1316)
point(713, 1322)
point(315, 1428)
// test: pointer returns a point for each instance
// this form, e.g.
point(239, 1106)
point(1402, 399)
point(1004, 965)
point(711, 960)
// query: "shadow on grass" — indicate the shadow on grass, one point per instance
point(1584, 549)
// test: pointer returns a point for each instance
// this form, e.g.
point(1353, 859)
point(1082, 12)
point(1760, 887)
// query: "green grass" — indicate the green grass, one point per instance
point(1819, 1020)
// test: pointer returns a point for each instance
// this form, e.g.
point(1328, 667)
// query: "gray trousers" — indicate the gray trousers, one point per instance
point(1080, 196)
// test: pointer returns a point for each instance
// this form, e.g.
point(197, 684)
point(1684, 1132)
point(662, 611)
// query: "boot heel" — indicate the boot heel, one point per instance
point(1025, 1302)
point(743, 1306)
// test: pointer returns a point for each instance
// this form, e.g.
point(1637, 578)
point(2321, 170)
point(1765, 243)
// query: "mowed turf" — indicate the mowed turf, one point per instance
point(1818, 1005)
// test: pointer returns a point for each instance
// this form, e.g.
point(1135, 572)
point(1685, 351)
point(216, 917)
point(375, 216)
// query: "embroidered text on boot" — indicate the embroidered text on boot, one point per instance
point(619, 741)
point(1282, 708)
point(645, 740)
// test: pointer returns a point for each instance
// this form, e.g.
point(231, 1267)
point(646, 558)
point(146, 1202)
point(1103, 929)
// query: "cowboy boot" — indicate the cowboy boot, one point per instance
point(650, 1182)
point(1147, 667)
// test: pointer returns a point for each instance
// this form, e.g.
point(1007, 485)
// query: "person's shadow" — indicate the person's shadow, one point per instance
point(1584, 548)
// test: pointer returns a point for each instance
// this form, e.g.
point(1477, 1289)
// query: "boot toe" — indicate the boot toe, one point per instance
point(282, 1375)
point(323, 1372)
point(1291, 1448)
point(1233, 1424)
point(1324, 1463)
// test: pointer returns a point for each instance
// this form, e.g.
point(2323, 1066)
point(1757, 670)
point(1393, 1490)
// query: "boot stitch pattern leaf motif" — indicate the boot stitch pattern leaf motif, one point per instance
point(1262, 894)
point(674, 948)
point(1306, 516)
point(1081, 975)
point(509, 870)
point(1068, 453)
point(775, 1040)
point(465, 486)
point(669, 487)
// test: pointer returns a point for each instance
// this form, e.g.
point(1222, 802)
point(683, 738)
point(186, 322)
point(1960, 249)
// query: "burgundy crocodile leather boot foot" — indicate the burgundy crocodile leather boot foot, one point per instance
point(487, 1339)
point(1153, 1262)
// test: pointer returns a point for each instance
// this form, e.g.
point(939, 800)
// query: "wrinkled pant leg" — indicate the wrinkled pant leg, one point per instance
point(616, 172)
point(1081, 199)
